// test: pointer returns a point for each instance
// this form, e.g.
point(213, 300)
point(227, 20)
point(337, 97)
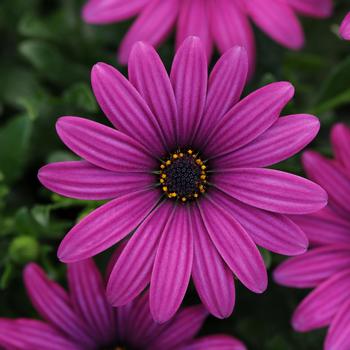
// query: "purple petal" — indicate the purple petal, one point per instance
point(226, 83)
point(312, 268)
point(278, 20)
point(104, 146)
point(106, 11)
point(286, 137)
point(181, 329)
point(148, 74)
point(275, 232)
point(234, 245)
point(271, 190)
point(211, 276)
point(87, 291)
point(82, 180)
point(106, 226)
point(344, 30)
point(216, 342)
point(320, 306)
point(314, 8)
point(53, 304)
point(340, 136)
point(189, 80)
point(152, 26)
point(27, 334)
point(172, 267)
point(132, 271)
point(249, 118)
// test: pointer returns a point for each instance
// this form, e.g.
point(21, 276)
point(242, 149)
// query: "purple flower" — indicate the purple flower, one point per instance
point(223, 23)
point(325, 267)
point(83, 319)
point(344, 29)
point(184, 170)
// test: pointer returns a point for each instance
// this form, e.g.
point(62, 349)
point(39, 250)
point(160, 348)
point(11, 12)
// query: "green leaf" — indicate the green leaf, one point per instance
point(80, 95)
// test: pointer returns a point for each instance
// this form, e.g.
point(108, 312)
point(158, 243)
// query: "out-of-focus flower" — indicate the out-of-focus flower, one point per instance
point(223, 23)
point(83, 320)
point(344, 29)
point(325, 267)
point(185, 169)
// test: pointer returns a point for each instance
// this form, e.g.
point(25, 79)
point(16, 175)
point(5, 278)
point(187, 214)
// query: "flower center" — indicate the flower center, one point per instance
point(183, 175)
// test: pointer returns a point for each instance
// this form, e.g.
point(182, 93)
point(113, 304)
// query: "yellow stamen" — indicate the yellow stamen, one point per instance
point(165, 188)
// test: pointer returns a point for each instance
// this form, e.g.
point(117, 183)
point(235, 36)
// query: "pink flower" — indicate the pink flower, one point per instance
point(83, 320)
point(325, 267)
point(223, 23)
point(344, 29)
point(184, 170)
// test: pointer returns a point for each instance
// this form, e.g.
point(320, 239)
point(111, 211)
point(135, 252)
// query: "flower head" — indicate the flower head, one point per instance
point(83, 320)
point(344, 29)
point(185, 172)
point(223, 23)
point(325, 267)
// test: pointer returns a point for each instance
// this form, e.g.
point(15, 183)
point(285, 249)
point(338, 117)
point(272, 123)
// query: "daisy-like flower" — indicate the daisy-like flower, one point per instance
point(325, 267)
point(185, 170)
point(223, 23)
point(84, 320)
point(344, 29)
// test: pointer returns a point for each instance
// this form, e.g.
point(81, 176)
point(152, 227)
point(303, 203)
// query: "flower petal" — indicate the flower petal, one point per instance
point(125, 107)
point(314, 8)
point(286, 137)
point(344, 30)
point(106, 225)
point(103, 146)
point(189, 80)
point(132, 271)
point(106, 11)
point(216, 342)
point(27, 334)
point(318, 309)
point(278, 20)
point(148, 74)
point(82, 180)
point(87, 291)
point(313, 267)
point(226, 83)
point(271, 190)
point(53, 304)
point(340, 136)
point(152, 26)
point(211, 276)
point(172, 267)
point(249, 118)
point(234, 245)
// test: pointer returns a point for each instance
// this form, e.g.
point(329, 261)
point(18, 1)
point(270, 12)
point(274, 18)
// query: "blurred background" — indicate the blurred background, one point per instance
point(46, 56)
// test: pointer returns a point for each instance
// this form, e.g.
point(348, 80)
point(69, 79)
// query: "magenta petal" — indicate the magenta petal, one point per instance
point(189, 80)
point(103, 146)
point(278, 20)
point(312, 268)
point(234, 245)
point(53, 304)
point(345, 28)
point(331, 177)
point(88, 296)
point(106, 11)
point(106, 226)
point(211, 276)
point(226, 83)
point(271, 190)
point(249, 118)
point(148, 74)
point(172, 267)
point(152, 26)
point(28, 334)
point(275, 232)
point(193, 20)
point(286, 137)
point(125, 107)
point(340, 136)
point(216, 342)
point(314, 8)
point(318, 309)
point(132, 271)
point(180, 330)
point(338, 336)
point(82, 180)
